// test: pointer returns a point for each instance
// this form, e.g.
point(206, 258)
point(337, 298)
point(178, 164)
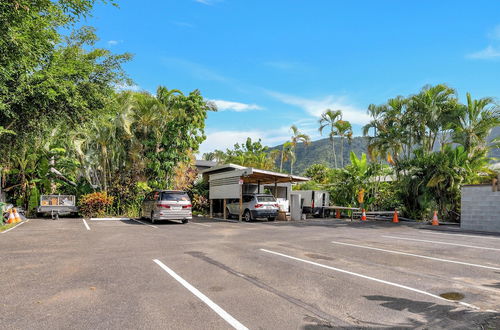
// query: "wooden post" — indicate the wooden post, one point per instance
point(275, 188)
point(211, 208)
point(258, 187)
point(241, 204)
point(224, 206)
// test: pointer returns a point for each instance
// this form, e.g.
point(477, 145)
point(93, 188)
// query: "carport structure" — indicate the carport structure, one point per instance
point(230, 181)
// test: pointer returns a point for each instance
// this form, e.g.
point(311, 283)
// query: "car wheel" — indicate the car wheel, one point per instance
point(185, 220)
point(271, 218)
point(152, 217)
point(247, 216)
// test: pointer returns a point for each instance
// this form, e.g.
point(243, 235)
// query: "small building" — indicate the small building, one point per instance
point(230, 181)
point(480, 207)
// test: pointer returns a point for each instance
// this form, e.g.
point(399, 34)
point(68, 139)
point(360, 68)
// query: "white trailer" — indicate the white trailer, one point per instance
point(314, 202)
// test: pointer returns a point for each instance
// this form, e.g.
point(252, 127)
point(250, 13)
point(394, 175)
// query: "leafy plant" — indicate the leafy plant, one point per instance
point(95, 204)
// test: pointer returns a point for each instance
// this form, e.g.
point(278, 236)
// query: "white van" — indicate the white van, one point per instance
point(167, 205)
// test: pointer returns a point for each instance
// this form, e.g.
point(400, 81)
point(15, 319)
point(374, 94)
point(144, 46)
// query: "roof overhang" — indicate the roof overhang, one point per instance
point(255, 175)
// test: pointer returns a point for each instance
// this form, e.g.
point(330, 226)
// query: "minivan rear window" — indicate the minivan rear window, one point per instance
point(172, 196)
point(266, 199)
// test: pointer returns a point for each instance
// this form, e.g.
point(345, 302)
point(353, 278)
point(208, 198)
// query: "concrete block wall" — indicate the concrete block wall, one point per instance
point(480, 208)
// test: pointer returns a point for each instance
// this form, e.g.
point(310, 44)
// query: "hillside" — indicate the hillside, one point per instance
point(319, 151)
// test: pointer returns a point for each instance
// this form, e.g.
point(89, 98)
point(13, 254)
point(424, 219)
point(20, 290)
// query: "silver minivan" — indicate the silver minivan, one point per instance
point(167, 205)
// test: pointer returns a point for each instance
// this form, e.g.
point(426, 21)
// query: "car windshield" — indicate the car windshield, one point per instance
point(174, 196)
point(266, 199)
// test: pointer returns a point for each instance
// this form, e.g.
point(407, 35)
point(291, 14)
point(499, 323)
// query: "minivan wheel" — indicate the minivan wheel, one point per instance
point(247, 216)
point(185, 220)
point(152, 217)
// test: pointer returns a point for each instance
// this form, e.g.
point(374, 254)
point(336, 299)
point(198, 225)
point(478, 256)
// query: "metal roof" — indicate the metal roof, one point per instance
point(255, 175)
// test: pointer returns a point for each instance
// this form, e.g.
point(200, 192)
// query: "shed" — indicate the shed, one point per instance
point(231, 181)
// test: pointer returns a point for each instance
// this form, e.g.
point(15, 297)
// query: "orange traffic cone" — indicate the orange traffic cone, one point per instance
point(12, 218)
point(17, 218)
point(363, 215)
point(337, 214)
point(435, 221)
point(395, 218)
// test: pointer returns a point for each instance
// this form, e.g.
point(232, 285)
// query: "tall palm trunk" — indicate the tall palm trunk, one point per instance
point(334, 153)
point(342, 152)
point(282, 155)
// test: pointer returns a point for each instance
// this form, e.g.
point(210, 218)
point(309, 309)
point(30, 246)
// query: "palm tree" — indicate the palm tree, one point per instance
point(329, 118)
point(286, 153)
point(297, 137)
point(430, 111)
point(344, 129)
point(476, 120)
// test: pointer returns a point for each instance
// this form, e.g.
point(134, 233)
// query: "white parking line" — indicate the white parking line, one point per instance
point(146, 224)
point(370, 278)
point(464, 235)
point(222, 313)
point(86, 225)
point(200, 224)
point(445, 243)
point(417, 255)
point(3, 232)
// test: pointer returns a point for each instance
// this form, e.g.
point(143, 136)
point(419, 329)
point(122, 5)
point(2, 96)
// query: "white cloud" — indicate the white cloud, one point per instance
point(114, 42)
point(223, 105)
point(208, 2)
point(125, 87)
point(316, 107)
point(495, 33)
point(487, 53)
point(195, 69)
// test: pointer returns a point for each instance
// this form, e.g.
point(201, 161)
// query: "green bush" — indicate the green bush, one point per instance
point(95, 204)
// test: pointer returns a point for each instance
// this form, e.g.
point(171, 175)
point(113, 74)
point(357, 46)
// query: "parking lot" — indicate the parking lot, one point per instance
point(210, 274)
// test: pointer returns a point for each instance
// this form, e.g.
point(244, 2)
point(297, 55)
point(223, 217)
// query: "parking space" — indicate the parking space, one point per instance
point(215, 274)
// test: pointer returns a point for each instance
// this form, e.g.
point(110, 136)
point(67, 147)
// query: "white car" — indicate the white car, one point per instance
point(167, 205)
point(254, 206)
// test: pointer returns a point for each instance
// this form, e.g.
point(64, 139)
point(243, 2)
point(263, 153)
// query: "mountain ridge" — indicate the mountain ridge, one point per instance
point(319, 152)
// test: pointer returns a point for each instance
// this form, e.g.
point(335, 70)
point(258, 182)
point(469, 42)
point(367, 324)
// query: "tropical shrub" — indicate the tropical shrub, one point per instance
point(95, 204)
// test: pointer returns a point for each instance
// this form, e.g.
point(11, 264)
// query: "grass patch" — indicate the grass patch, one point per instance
point(6, 226)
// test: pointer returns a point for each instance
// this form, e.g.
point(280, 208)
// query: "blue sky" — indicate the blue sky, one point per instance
point(271, 64)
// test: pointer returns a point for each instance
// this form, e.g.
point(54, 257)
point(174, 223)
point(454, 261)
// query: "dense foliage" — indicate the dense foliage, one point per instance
point(250, 154)
point(66, 128)
point(94, 204)
point(422, 148)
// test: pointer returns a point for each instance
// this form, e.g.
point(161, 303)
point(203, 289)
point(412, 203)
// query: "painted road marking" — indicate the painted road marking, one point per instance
point(86, 225)
point(3, 232)
point(417, 255)
point(475, 236)
point(109, 219)
point(445, 243)
point(200, 224)
point(146, 224)
point(370, 278)
point(222, 313)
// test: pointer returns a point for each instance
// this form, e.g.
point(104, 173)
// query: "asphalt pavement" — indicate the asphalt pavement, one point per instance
point(210, 274)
